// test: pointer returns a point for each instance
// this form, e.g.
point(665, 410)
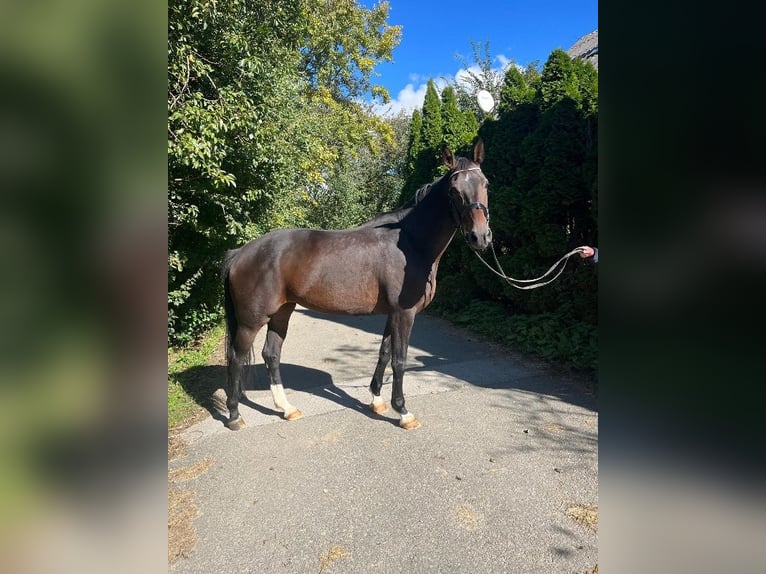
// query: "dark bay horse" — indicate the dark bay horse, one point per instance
point(385, 266)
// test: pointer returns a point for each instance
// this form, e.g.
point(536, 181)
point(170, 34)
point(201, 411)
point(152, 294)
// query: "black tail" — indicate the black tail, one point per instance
point(228, 304)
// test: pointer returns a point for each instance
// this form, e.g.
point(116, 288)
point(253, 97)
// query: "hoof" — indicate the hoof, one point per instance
point(379, 408)
point(236, 424)
point(293, 415)
point(409, 423)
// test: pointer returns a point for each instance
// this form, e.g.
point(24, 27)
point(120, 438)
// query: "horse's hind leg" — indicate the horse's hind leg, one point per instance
point(238, 354)
point(272, 351)
point(378, 405)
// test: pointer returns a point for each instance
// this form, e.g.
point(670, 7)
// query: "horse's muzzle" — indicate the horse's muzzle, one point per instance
point(479, 241)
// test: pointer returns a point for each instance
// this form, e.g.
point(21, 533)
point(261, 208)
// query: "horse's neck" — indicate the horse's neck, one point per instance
point(431, 226)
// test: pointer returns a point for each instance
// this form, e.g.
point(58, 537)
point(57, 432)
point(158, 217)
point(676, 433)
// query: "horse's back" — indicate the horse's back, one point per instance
point(346, 271)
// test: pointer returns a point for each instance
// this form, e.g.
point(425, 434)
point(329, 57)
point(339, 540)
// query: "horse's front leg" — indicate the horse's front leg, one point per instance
point(401, 329)
point(378, 405)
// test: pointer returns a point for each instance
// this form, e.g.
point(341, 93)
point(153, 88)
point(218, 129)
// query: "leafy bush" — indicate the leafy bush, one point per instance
point(264, 101)
point(552, 336)
point(541, 162)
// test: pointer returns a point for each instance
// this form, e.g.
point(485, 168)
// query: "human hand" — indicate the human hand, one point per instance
point(586, 251)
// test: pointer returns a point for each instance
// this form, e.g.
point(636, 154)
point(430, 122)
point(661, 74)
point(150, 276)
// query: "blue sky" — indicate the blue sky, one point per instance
point(433, 32)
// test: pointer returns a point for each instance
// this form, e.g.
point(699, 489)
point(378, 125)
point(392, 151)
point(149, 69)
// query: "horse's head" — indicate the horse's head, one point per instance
point(468, 196)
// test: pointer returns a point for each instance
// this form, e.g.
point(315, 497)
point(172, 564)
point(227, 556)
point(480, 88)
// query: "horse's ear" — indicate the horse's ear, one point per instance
point(478, 151)
point(447, 157)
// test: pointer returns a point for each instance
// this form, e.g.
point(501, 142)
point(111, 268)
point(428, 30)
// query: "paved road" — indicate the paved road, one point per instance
point(506, 455)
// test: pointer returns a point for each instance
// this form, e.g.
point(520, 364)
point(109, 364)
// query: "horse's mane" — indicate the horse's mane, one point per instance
point(422, 192)
point(386, 218)
point(395, 216)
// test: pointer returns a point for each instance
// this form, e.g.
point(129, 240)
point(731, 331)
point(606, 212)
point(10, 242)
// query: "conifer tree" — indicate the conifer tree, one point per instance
point(542, 164)
point(459, 132)
point(518, 88)
point(415, 142)
point(415, 150)
point(471, 123)
point(559, 80)
point(452, 119)
point(432, 131)
point(427, 162)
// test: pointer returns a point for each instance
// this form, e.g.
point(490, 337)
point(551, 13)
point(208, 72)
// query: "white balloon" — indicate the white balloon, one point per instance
point(486, 101)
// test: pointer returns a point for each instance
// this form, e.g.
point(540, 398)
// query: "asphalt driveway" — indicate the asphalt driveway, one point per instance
point(501, 477)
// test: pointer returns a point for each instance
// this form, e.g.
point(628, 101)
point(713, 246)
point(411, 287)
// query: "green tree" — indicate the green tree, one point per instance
point(559, 80)
point(519, 88)
point(222, 108)
point(262, 105)
point(415, 142)
point(342, 44)
point(471, 125)
point(459, 131)
point(428, 163)
point(361, 186)
point(432, 132)
point(542, 166)
point(415, 154)
point(587, 77)
point(423, 154)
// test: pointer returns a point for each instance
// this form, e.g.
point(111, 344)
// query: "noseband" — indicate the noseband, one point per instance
point(458, 214)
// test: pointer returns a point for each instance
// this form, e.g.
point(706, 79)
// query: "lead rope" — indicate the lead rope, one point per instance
point(511, 280)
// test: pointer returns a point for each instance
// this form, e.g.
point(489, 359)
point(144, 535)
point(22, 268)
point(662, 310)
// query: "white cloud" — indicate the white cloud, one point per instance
point(463, 74)
point(407, 100)
point(505, 62)
point(412, 97)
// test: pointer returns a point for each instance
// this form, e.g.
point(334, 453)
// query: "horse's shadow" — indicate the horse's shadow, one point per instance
point(206, 386)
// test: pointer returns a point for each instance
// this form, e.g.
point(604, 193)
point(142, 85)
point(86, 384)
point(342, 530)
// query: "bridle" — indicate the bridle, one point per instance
point(459, 213)
point(457, 216)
